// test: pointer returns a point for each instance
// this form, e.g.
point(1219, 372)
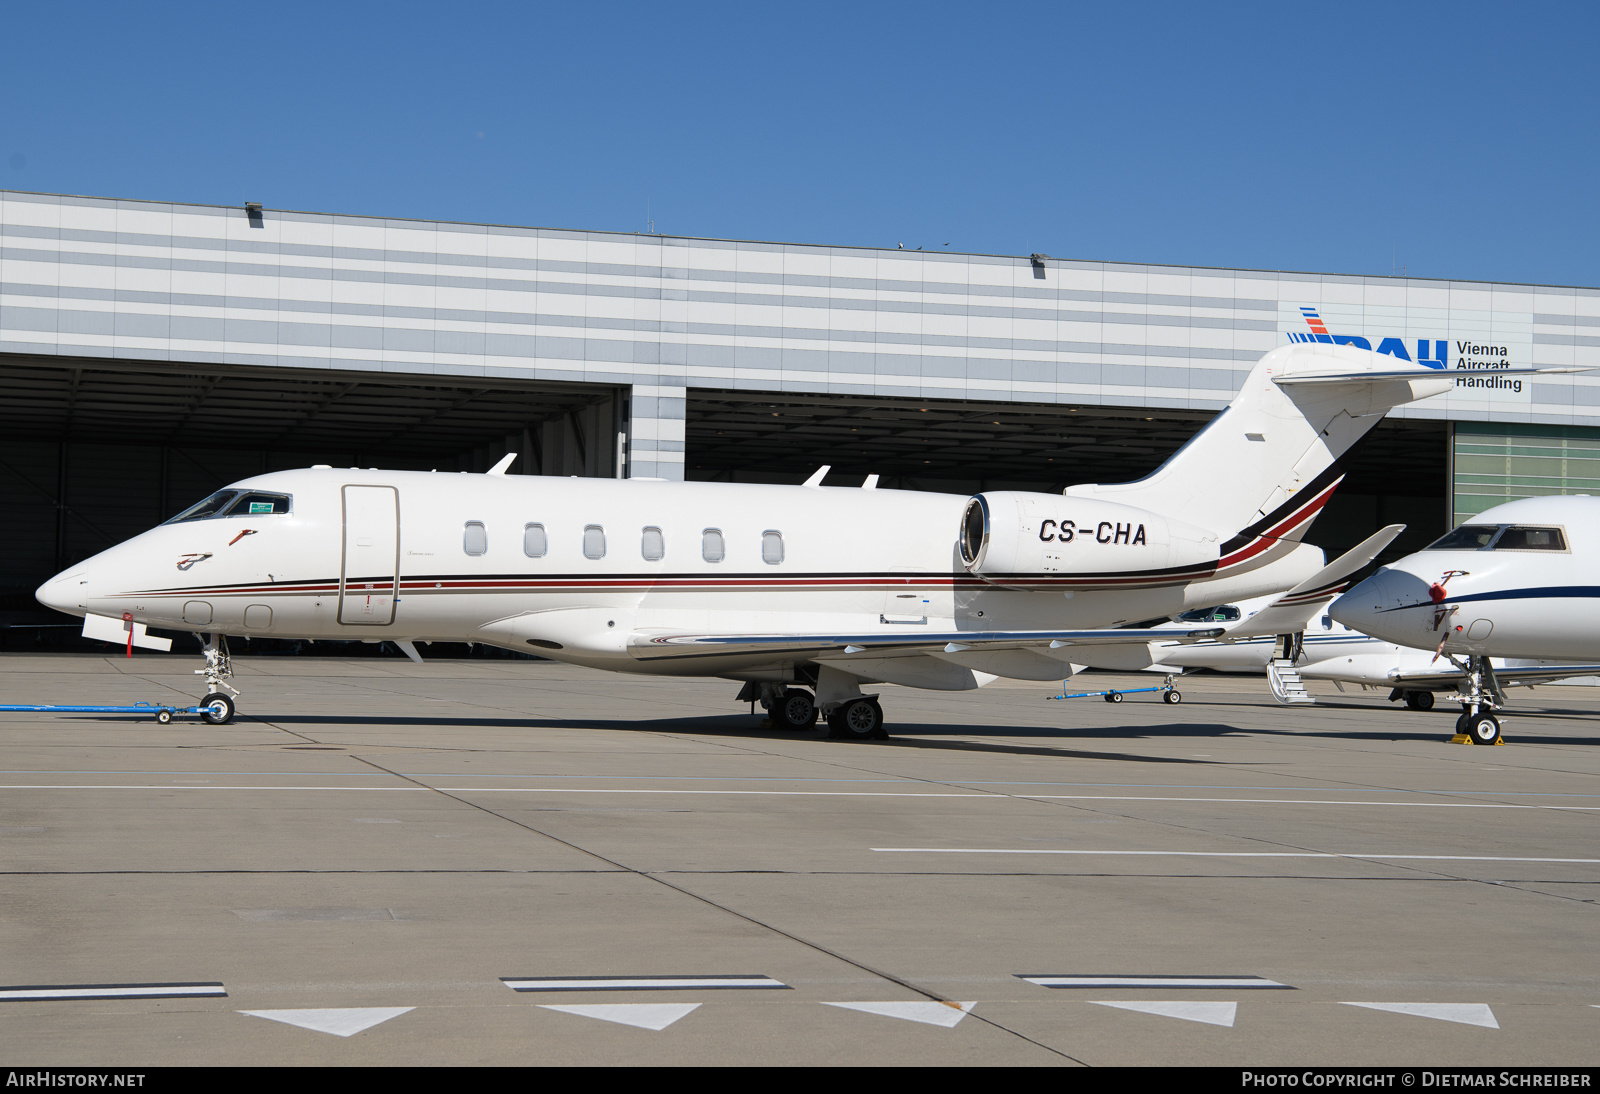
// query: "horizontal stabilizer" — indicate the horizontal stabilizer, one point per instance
point(1368, 376)
point(106, 629)
point(1294, 610)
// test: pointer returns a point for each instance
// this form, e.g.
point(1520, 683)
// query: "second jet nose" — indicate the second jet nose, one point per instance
point(1391, 604)
point(65, 592)
point(1357, 607)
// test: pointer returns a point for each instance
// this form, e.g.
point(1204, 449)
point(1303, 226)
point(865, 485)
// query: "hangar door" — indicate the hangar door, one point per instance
point(370, 561)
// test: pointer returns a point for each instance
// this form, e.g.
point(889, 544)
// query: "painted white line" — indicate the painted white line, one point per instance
point(652, 1016)
point(1303, 801)
point(1212, 1014)
point(637, 983)
point(1226, 854)
point(928, 1013)
point(1073, 981)
point(339, 1021)
point(113, 991)
point(1468, 1014)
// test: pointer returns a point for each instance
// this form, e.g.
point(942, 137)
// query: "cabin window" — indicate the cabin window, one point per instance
point(594, 541)
point(772, 547)
point(712, 548)
point(475, 539)
point(652, 545)
point(1520, 538)
point(534, 544)
point(1469, 537)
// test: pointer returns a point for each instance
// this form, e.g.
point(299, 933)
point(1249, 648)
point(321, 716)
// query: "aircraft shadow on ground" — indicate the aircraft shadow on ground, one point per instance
point(1521, 728)
point(745, 727)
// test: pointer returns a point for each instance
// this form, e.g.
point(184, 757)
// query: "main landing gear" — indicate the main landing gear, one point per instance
point(1415, 700)
point(858, 719)
point(1480, 696)
point(849, 714)
point(790, 709)
point(217, 708)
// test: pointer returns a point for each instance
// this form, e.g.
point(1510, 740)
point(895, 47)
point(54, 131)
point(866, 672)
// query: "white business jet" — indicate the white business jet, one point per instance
point(1249, 633)
point(787, 588)
point(1328, 650)
point(1516, 582)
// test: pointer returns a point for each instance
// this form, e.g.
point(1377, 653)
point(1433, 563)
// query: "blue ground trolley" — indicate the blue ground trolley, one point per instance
point(1169, 694)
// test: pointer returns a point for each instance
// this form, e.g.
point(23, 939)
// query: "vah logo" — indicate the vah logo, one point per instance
point(1394, 346)
point(1469, 355)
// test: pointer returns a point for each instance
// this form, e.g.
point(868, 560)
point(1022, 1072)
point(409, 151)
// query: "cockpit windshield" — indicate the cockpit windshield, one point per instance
point(235, 503)
point(1502, 537)
point(1521, 538)
point(1469, 537)
point(1222, 613)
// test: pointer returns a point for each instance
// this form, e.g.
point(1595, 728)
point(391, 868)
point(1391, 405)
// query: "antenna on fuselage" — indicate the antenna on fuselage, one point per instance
point(505, 462)
point(817, 476)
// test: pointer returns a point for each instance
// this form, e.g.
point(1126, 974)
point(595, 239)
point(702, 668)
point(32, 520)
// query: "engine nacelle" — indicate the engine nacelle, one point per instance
point(1018, 539)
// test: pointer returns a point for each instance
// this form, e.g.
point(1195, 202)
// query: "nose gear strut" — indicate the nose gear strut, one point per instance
point(216, 707)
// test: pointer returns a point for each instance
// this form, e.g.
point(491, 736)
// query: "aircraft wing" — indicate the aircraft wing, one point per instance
point(677, 646)
point(1295, 609)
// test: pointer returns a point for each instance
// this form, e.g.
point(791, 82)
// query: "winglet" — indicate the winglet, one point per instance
point(816, 477)
point(505, 462)
point(1291, 612)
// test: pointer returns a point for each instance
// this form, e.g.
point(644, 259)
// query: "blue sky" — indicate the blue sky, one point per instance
point(1455, 140)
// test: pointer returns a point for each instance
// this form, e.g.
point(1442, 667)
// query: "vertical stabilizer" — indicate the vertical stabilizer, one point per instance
point(1260, 471)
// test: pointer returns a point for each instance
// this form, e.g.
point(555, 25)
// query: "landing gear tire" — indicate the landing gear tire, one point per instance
point(1113, 696)
point(1419, 700)
point(857, 720)
point(217, 709)
point(1484, 729)
point(796, 710)
point(1171, 697)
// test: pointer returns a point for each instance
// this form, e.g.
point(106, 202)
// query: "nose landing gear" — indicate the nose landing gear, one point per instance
point(1480, 697)
point(217, 708)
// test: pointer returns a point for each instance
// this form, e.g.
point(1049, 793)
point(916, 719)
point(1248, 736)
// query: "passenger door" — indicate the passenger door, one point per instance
point(369, 563)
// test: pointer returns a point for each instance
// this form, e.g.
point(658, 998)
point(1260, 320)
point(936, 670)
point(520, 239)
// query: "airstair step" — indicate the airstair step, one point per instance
point(1287, 686)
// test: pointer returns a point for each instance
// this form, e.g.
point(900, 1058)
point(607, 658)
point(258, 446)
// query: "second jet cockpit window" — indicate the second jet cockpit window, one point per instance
point(1502, 537)
point(1469, 537)
point(1222, 613)
point(1519, 538)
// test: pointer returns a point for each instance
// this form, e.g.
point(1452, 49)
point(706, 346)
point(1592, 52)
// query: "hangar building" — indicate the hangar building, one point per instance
point(151, 352)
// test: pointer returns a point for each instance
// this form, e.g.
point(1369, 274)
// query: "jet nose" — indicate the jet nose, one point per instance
point(1358, 607)
point(65, 593)
point(1391, 605)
